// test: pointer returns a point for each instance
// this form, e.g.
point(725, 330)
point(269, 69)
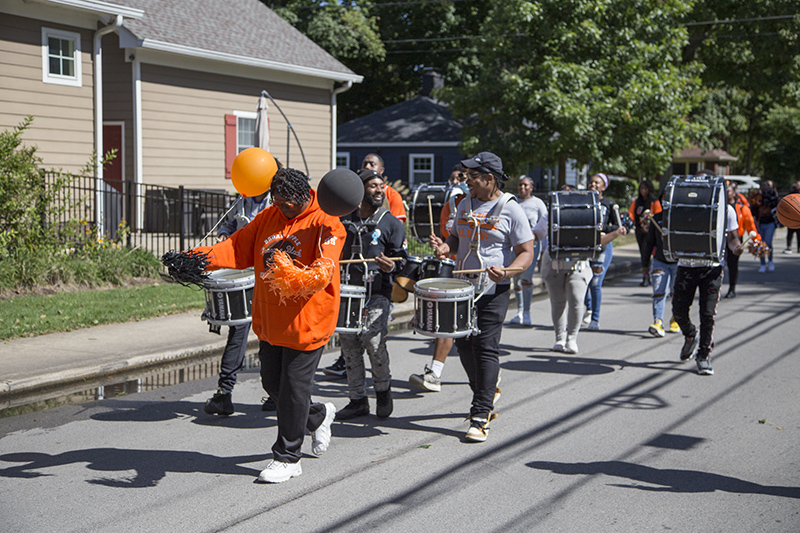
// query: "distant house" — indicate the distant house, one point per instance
point(173, 86)
point(418, 139)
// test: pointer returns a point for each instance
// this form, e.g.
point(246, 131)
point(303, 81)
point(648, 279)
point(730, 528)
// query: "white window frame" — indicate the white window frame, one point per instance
point(345, 156)
point(243, 115)
point(57, 79)
point(411, 171)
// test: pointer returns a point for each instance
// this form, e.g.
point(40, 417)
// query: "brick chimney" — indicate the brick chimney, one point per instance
point(431, 79)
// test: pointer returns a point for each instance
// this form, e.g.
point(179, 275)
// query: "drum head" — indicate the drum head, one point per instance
point(420, 212)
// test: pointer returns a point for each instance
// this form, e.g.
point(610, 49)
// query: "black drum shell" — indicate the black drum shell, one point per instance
point(575, 225)
point(420, 215)
point(351, 309)
point(410, 274)
point(693, 219)
point(437, 268)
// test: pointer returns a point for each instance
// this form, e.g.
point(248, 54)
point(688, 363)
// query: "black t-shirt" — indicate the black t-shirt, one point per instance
point(380, 233)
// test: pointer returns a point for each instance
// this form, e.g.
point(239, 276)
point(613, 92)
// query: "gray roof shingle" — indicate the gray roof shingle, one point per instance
point(420, 119)
point(245, 28)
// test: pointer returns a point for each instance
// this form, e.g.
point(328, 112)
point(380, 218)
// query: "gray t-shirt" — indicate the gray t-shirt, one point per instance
point(496, 239)
point(534, 209)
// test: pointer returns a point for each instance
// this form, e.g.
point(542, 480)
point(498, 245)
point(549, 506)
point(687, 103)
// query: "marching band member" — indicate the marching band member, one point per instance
point(487, 228)
point(294, 247)
point(372, 233)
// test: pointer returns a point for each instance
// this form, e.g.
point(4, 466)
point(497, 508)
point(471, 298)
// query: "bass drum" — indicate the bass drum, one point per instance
point(694, 218)
point(419, 212)
point(575, 225)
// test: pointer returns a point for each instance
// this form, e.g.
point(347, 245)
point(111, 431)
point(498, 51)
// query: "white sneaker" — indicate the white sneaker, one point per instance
point(587, 317)
point(571, 346)
point(426, 381)
point(321, 437)
point(762, 269)
point(788, 251)
point(278, 472)
point(770, 267)
point(558, 346)
point(526, 319)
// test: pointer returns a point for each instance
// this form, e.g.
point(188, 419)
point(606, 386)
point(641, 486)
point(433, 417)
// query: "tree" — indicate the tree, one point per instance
point(601, 82)
point(751, 53)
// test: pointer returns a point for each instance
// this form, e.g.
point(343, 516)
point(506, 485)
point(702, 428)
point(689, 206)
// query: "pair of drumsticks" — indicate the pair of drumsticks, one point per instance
point(467, 271)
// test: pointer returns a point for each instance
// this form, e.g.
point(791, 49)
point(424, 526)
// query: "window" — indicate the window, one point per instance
point(692, 169)
point(342, 159)
point(245, 130)
point(61, 57)
point(420, 168)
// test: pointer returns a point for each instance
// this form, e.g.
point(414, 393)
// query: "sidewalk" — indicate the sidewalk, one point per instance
point(30, 365)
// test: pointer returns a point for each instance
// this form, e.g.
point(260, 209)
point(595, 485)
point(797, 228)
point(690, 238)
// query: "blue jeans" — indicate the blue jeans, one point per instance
point(662, 277)
point(594, 294)
point(767, 231)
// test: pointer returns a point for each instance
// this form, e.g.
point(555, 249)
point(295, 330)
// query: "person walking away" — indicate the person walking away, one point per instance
point(744, 219)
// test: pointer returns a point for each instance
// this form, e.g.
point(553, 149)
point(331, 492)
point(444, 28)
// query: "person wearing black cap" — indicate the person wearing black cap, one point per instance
point(488, 226)
point(705, 276)
point(372, 233)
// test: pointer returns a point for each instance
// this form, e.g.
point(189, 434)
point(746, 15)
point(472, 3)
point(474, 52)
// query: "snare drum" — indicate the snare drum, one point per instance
point(694, 218)
point(437, 268)
point(420, 215)
point(444, 308)
point(351, 309)
point(575, 225)
point(410, 274)
point(229, 297)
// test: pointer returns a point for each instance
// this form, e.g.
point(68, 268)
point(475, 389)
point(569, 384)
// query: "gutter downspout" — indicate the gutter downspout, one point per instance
point(98, 119)
point(336, 90)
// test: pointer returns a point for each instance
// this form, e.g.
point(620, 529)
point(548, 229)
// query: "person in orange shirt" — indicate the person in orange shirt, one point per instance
point(394, 199)
point(746, 224)
point(646, 201)
point(292, 329)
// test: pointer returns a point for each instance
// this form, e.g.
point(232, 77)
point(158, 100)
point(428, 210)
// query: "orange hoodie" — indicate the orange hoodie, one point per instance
point(300, 325)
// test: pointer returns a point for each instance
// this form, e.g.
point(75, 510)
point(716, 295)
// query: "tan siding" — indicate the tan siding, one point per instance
point(63, 126)
point(183, 125)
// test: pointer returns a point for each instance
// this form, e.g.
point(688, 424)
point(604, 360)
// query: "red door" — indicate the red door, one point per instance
point(112, 138)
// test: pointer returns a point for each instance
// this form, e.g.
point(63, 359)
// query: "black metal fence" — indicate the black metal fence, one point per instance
point(153, 217)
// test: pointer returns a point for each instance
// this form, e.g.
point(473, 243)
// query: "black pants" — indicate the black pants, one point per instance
point(480, 354)
point(789, 233)
point(640, 236)
point(288, 376)
point(688, 280)
point(233, 357)
point(733, 269)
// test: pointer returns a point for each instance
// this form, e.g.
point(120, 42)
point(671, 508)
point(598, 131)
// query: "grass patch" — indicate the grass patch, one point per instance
point(33, 315)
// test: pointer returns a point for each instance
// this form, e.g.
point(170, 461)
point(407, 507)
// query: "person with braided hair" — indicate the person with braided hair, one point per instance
point(291, 236)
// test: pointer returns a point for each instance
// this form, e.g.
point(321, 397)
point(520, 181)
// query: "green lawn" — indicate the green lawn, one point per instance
point(38, 315)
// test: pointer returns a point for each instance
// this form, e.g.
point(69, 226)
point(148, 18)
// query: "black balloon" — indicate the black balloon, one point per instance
point(340, 192)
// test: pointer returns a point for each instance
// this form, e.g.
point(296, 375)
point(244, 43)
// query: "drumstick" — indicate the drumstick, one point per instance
point(430, 214)
point(370, 260)
point(615, 207)
point(479, 270)
point(751, 235)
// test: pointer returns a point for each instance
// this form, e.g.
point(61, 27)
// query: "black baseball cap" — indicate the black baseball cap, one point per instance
point(486, 162)
point(367, 175)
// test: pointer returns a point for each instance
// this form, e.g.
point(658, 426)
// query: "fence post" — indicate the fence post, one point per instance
point(180, 217)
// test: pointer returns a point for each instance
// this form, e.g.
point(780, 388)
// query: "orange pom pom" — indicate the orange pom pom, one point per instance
point(293, 282)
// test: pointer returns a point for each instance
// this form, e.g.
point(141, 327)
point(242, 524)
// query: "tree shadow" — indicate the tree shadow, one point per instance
point(150, 466)
point(246, 416)
point(666, 480)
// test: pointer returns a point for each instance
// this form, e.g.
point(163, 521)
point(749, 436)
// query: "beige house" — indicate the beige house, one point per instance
point(173, 85)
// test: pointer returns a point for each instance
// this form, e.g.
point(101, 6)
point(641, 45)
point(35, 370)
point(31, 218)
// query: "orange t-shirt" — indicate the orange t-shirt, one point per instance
point(303, 325)
point(395, 201)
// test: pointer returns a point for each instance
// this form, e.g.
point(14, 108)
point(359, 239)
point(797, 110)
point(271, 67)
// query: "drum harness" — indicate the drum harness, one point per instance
point(357, 250)
point(493, 218)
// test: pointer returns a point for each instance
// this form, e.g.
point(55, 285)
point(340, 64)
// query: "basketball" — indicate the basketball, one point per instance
point(789, 211)
point(340, 192)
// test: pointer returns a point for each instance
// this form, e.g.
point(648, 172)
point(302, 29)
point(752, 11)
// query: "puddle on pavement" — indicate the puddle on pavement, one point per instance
point(119, 385)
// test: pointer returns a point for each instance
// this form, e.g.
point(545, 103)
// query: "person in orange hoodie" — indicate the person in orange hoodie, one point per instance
point(292, 329)
point(746, 224)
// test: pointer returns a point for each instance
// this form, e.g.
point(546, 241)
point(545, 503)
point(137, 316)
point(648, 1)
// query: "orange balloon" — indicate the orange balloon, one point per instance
point(252, 171)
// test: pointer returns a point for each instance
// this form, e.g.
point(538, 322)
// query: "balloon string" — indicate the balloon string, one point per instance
point(218, 222)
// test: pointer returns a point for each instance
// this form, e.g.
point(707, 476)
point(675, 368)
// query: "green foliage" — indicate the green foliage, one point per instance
point(599, 82)
point(781, 157)
point(623, 192)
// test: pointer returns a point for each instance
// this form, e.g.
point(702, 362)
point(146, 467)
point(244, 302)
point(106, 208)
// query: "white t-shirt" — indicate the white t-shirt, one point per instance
point(495, 239)
point(731, 224)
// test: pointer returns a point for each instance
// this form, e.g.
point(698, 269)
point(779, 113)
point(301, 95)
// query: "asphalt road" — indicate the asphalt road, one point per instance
point(620, 437)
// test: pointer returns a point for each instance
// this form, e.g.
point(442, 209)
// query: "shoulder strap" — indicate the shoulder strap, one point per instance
point(506, 197)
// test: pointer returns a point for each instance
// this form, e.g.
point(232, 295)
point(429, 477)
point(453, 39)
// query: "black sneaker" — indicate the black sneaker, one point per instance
point(689, 346)
point(384, 405)
point(337, 369)
point(219, 404)
point(731, 294)
point(268, 405)
point(354, 409)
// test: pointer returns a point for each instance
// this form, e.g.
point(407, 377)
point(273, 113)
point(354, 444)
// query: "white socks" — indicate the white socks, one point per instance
point(437, 367)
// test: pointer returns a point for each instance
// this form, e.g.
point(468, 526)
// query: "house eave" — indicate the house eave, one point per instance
point(96, 6)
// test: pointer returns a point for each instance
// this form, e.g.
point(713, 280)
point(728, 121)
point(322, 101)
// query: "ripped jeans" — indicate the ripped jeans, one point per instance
point(372, 340)
point(662, 278)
